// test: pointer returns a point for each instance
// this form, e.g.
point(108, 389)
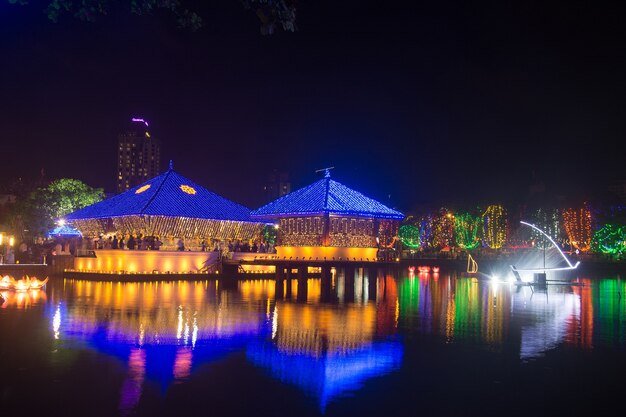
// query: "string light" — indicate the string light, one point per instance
point(425, 225)
point(494, 226)
point(547, 220)
point(443, 229)
point(410, 236)
point(466, 227)
point(610, 239)
point(577, 225)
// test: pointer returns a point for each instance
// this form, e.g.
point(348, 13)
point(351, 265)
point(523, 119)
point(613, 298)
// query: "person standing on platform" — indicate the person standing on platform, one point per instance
point(180, 245)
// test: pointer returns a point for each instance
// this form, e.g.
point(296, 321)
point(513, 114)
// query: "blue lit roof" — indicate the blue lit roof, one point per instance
point(326, 196)
point(169, 194)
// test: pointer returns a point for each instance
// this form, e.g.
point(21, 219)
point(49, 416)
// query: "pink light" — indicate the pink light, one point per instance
point(135, 119)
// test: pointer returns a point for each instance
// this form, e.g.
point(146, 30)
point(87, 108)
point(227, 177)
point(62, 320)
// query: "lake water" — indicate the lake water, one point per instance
point(394, 344)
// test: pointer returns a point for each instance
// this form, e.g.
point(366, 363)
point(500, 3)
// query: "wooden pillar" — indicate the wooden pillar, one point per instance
point(348, 289)
point(326, 284)
point(372, 276)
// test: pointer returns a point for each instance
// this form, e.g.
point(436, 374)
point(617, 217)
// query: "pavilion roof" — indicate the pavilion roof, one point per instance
point(169, 194)
point(326, 196)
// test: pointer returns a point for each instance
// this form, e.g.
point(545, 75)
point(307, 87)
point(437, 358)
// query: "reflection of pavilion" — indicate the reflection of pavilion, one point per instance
point(325, 350)
point(162, 330)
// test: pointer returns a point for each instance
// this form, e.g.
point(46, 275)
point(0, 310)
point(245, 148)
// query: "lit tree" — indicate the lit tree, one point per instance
point(547, 220)
point(466, 227)
point(425, 225)
point(610, 239)
point(443, 228)
point(577, 225)
point(409, 236)
point(494, 226)
point(44, 206)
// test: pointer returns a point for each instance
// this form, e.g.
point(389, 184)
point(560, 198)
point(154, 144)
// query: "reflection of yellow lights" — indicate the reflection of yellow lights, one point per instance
point(187, 189)
point(142, 189)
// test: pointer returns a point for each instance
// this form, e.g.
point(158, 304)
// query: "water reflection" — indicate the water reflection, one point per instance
point(327, 336)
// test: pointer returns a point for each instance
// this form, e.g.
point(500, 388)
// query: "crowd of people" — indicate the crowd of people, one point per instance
point(139, 242)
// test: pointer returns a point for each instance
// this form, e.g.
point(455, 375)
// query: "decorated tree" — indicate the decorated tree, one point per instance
point(425, 225)
point(443, 229)
point(494, 226)
point(409, 236)
point(610, 239)
point(577, 225)
point(466, 229)
point(549, 221)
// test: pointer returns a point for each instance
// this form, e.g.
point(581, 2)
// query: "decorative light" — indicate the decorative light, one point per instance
point(187, 189)
point(494, 226)
point(140, 120)
point(577, 225)
point(466, 227)
point(610, 239)
point(426, 230)
point(142, 189)
point(443, 229)
point(548, 221)
point(410, 236)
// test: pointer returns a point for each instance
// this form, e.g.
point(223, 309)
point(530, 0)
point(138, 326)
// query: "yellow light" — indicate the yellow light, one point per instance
point(187, 189)
point(1, 238)
point(142, 189)
point(11, 241)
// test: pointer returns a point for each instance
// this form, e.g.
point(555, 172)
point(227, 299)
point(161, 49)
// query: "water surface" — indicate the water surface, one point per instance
point(391, 344)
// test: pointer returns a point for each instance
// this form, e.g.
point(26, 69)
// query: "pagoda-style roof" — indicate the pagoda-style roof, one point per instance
point(169, 194)
point(326, 196)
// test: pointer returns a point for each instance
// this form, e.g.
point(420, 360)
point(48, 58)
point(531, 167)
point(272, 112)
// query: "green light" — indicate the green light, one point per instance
point(610, 240)
point(410, 236)
point(466, 227)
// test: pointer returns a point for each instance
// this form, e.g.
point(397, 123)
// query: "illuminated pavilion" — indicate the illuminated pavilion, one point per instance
point(327, 221)
point(171, 207)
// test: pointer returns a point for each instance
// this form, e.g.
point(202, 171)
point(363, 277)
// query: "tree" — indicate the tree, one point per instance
point(466, 227)
point(409, 236)
point(44, 206)
point(271, 13)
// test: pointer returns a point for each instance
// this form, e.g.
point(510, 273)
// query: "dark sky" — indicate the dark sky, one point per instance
point(411, 102)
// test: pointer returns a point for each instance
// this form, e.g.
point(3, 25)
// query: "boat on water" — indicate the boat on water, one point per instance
point(27, 283)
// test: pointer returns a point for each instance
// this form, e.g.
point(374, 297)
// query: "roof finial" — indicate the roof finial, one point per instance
point(326, 171)
point(171, 165)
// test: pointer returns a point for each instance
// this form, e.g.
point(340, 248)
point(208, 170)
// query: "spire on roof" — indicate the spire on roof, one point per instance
point(326, 171)
point(171, 165)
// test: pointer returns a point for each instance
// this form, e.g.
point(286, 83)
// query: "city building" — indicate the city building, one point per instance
point(277, 185)
point(138, 155)
point(327, 221)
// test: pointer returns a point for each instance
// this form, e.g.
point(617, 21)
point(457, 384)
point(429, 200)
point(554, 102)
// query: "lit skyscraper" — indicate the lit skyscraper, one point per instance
point(138, 155)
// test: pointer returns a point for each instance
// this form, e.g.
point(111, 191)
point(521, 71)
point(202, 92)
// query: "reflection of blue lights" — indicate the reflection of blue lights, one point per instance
point(331, 375)
point(161, 355)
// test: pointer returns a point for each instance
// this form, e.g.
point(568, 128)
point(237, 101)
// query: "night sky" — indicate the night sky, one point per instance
point(412, 103)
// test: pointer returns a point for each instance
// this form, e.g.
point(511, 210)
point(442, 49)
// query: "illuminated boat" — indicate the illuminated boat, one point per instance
point(411, 269)
point(424, 269)
point(24, 284)
point(7, 283)
point(544, 269)
point(435, 269)
point(472, 265)
point(36, 284)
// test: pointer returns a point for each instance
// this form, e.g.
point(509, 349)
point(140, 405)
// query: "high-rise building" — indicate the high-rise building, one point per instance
point(277, 185)
point(138, 155)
